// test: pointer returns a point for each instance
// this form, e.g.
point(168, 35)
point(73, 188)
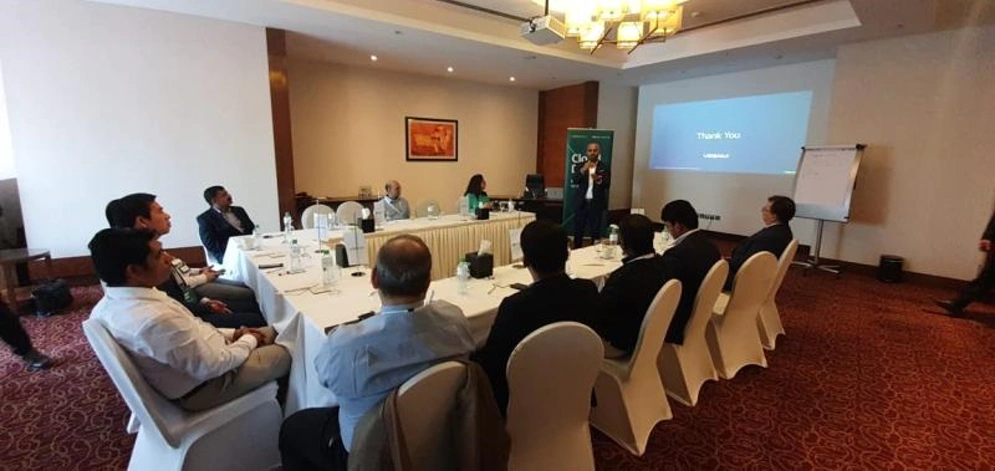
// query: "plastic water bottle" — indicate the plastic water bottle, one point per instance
point(463, 278)
point(464, 206)
point(288, 225)
point(611, 244)
point(257, 237)
point(330, 271)
point(295, 257)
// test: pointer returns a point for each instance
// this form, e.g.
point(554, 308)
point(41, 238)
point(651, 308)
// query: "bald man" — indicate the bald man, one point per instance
point(394, 206)
point(363, 362)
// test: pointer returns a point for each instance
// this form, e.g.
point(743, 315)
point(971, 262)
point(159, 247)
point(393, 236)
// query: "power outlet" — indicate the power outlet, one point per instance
point(709, 217)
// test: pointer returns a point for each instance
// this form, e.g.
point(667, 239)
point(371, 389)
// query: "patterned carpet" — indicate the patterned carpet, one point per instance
point(868, 377)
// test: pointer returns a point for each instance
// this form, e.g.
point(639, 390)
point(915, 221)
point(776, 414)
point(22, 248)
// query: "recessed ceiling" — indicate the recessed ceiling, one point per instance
point(425, 37)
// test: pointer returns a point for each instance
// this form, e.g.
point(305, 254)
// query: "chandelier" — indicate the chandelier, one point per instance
point(625, 23)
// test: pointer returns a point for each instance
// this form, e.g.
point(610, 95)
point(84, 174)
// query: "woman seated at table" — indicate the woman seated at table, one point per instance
point(475, 193)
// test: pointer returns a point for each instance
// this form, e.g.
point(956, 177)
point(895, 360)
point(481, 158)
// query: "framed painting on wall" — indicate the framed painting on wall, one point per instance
point(431, 140)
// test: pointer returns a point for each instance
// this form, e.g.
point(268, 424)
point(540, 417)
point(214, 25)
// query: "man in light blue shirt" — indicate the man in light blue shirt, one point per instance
point(394, 207)
point(363, 362)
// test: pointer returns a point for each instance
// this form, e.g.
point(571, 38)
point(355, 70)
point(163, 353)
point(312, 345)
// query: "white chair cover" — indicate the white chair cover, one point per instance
point(685, 368)
point(732, 336)
point(424, 404)
point(348, 212)
point(550, 377)
point(631, 399)
point(242, 434)
point(307, 217)
point(769, 321)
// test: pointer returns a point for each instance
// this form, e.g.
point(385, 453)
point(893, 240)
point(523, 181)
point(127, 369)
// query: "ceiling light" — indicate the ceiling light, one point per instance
point(625, 23)
point(373, 58)
point(449, 69)
point(511, 79)
point(629, 34)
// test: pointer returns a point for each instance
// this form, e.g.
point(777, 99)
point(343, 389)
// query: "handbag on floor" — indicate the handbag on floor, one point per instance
point(51, 296)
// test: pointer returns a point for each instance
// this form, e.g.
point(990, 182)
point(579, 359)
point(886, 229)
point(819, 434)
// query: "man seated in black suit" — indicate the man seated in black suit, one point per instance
point(773, 238)
point(221, 221)
point(553, 297)
point(631, 288)
point(692, 256)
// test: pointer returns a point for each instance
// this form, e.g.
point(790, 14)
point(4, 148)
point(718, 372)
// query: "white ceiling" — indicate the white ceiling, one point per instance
point(426, 36)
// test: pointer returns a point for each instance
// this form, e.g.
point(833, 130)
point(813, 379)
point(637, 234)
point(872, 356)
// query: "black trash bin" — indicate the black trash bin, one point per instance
point(890, 269)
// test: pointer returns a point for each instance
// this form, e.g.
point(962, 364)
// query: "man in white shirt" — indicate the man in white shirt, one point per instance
point(394, 206)
point(185, 359)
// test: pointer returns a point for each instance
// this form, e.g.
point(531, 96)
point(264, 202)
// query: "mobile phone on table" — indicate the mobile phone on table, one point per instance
point(518, 286)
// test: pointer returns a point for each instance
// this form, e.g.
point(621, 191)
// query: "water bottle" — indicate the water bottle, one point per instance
point(288, 225)
point(464, 206)
point(612, 242)
point(257, 237)
point(463, 278)
point(379, 215)
point(321, 226)
point(295, 257)
point(330, 271)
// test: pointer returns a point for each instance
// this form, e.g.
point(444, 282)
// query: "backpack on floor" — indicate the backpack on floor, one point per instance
point(51, 296)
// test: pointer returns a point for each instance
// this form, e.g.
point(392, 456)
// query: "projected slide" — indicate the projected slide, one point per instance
point(753, 134)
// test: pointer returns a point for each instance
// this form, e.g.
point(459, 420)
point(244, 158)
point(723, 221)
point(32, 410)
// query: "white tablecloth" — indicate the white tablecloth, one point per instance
point(449, 238)
point(301, 318)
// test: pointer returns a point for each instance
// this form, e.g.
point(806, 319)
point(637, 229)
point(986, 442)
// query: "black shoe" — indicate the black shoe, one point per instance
point(948, 306)
point(36, 361)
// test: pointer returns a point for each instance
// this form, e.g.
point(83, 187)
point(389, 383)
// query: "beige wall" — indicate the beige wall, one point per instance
point(106, 100)
point(348, 131)
point(617, 111)
point(925, 105)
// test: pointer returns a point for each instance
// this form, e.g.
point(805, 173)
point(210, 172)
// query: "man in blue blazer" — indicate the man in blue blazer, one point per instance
point(221, 221)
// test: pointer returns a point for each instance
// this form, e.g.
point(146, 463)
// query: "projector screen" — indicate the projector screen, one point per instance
point(760, 134)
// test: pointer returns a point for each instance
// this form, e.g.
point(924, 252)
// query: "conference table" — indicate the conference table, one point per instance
point(449, 237)
point(303, 318)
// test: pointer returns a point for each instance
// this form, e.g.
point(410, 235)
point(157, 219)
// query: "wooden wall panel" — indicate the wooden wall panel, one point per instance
point(574, 106)
point(276, 45)
point(78, 267)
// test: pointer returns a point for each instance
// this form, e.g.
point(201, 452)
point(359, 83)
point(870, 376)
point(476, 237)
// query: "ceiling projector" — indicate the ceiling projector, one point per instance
point(543, 30)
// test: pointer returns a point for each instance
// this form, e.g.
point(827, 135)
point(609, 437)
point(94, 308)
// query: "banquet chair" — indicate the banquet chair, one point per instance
point(769, 321)
point(424, 209)
point(631, 398)
point(241, 434)
point(550, 377)
point(348, 212)
point(685, 368)
point(307, 217)
point(732, 336)
point(424, 404)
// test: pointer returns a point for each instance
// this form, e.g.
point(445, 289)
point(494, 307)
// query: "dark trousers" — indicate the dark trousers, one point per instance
point(12, 332)
point(589, 214)
point(309, 440)
point(234, 320)
point(979, 286)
